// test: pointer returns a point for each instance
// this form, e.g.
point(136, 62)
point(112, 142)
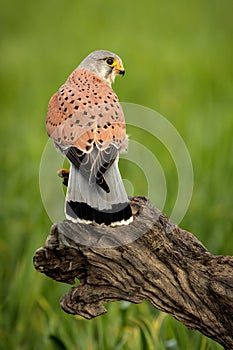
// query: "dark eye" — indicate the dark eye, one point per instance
point(109, 61)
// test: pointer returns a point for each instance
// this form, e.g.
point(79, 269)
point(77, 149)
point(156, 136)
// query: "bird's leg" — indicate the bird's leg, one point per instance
point(64, 174)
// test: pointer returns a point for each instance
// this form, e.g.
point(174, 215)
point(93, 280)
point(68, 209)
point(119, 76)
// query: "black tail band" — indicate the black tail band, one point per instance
point(83, 211)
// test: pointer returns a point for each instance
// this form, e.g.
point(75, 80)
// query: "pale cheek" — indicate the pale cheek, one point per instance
point(108, 76)
point(113, 76)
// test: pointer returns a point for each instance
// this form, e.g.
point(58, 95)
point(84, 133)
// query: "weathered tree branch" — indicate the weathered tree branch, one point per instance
point(149, 259)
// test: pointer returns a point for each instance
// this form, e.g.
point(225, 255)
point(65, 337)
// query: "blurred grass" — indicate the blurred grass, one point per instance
point(178, 57)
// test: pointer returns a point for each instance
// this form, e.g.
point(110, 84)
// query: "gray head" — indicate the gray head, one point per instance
point(103, 63)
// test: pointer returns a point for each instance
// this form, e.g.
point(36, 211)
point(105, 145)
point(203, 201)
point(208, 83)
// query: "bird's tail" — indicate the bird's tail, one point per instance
point(87, 202)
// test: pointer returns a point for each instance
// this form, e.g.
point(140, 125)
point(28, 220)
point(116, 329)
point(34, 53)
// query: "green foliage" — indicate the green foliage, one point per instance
point(178, 57)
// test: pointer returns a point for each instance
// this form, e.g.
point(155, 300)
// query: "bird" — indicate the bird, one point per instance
point(86, 122)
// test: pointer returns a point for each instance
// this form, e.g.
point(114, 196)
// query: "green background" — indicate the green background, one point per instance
point(178, 56)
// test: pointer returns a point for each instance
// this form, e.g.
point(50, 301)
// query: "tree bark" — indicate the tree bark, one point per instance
point(149, 259)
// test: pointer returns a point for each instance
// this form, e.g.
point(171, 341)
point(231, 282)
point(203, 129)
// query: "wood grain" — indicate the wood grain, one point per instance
point(149, 259)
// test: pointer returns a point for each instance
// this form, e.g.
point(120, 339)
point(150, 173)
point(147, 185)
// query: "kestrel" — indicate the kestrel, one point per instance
point(86, 122)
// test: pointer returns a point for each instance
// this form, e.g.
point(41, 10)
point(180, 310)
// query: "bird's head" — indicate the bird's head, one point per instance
point(107, 65)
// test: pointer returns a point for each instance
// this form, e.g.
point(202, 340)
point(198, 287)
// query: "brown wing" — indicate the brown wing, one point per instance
point(86, 121)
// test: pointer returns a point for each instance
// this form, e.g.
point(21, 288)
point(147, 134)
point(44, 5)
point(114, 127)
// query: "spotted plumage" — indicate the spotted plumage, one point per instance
point(86, 122)
point(85, 111)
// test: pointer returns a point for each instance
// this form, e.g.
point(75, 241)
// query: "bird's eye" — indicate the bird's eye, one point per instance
point(110, 61)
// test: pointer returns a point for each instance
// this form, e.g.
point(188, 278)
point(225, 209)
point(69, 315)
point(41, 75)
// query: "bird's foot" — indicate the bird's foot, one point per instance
point(64, 174)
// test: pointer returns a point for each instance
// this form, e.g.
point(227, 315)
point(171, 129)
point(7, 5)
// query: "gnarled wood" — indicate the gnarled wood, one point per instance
point(149, 259)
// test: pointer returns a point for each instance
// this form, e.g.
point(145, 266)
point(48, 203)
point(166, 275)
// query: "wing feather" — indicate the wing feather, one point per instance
point(94, 164)
point(86, 122)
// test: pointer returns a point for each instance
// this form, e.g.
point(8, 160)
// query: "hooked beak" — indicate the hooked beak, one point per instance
point(119, 69)
point(122, 72)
